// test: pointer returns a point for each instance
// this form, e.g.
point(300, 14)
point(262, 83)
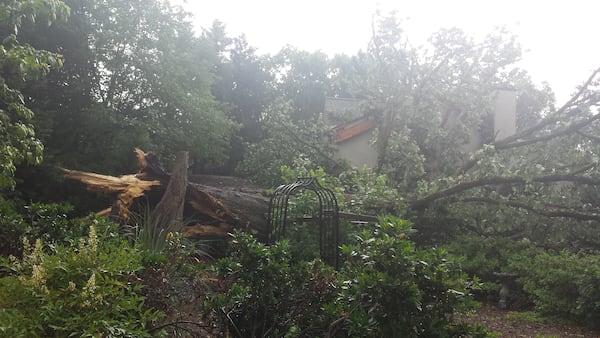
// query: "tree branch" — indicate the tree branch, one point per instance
point(554, 117)
point(583, 169)
point(511, 141)
point(570, 129)
point(591, 137)
point(552, 214)
point(334, 164)
point(424, 202)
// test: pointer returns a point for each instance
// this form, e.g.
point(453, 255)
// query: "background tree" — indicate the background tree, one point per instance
point(285, 141)
point(134, 75)
point(526, 185)
point(292, 126)
point(302, 80)
point(19, 63)
point(347, 76)
point(244, 86)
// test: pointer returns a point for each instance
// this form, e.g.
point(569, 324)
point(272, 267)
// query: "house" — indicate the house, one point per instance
point(355, 130)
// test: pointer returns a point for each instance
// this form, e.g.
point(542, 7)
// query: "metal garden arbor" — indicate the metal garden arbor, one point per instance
point(327, 217)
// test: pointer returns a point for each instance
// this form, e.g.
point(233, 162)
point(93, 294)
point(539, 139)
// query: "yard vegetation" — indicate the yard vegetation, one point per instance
point(84, 82)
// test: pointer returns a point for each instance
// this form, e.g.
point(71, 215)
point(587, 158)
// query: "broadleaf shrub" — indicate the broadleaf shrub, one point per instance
point(49, 222)
point(391, 288)
point(563, 284)
point(83, 289)
point(386, 288)
point(268, 295)
point(485, 256)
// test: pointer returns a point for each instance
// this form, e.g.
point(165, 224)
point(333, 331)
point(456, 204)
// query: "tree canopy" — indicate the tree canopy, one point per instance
point(135, 74)
point(429, 103)
point(20, 63)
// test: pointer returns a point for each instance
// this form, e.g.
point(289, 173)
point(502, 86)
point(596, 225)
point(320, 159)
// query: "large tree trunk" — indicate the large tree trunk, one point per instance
point(168, 213)
point(211, 208)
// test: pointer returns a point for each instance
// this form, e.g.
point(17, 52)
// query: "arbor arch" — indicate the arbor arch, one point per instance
point(327, 216)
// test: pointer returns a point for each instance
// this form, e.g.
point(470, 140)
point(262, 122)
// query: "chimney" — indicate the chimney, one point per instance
point(505, 114)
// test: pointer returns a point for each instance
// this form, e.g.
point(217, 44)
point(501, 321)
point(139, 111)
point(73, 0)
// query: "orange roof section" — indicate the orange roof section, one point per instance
point(352, 129)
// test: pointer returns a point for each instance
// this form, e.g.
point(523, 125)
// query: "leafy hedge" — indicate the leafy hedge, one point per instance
point(268, 295)
point(561, 284)
point(49, 222)
point(387, 287)
point(391, 288)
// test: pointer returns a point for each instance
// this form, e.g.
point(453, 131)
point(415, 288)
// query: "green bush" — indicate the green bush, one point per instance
point(268, 295)
point(392, 289)
point(387, 288)
point(484, 256)
point(12, 226)
point(563, 284)
point(83, 289)
point(49, 222)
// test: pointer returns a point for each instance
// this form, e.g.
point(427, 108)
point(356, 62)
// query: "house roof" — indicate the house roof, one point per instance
point(354, 128)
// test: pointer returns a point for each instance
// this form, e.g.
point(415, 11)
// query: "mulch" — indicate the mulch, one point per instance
point(506, 324)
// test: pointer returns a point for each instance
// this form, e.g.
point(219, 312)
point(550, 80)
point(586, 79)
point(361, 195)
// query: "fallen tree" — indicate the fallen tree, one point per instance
point(213, 207)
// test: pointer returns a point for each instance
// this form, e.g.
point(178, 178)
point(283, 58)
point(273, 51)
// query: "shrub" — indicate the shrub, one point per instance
point(12, 226)
point(387, 288)
point(391, 288)
point(268, 295)
point(484, 256)
point(565, 285)
point(48, 222)
point(83, 289)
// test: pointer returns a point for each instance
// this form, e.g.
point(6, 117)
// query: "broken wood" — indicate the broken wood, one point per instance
point(204, 206)
point(127, 187)
point(209, 210)
point(168, 213)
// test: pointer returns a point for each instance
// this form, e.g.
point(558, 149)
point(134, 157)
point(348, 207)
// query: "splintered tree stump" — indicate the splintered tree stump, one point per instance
point(168, 213)
point(211, 208)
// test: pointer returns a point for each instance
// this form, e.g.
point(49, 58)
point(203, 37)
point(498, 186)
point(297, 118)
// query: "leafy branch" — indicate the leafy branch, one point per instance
point(424, 202)
point(570, 213)
point(557, 116)
point(568, 111)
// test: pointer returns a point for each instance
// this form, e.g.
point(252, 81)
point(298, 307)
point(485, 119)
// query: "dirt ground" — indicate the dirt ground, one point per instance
point(507, 324)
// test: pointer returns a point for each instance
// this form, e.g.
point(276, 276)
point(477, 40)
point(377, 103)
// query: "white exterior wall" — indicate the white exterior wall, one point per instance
point(358, 151)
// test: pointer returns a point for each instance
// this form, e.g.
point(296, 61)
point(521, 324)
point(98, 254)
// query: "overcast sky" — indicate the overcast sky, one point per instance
point(560, 38)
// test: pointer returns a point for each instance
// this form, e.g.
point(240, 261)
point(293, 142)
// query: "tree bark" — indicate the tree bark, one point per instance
point(210, 209)
point(168, 213)
point(424, 202)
